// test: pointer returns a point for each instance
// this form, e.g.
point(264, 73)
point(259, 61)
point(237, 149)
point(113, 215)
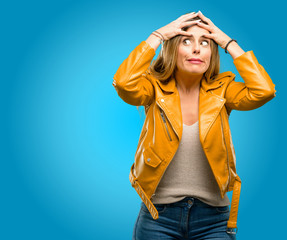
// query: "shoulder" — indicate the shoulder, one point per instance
point(219, 81)
point(224, 77)
point(152, 78)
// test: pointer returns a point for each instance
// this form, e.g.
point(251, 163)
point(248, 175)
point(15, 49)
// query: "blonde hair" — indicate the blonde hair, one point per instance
point(164, 67)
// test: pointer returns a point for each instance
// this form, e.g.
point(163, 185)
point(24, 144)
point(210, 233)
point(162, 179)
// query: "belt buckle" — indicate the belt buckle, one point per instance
point(232, 230)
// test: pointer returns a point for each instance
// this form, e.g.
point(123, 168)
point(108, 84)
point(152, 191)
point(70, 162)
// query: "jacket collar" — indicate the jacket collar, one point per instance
point(208, 103)
point(206, 84)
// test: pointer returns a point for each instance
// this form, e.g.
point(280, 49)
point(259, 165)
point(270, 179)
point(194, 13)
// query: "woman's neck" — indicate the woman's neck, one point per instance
point(188, 84)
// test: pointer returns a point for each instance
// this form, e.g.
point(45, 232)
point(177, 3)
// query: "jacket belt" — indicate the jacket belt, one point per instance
point(232, 221)
point(153, 211)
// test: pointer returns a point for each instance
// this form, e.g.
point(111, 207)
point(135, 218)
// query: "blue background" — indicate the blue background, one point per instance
point(68, 141)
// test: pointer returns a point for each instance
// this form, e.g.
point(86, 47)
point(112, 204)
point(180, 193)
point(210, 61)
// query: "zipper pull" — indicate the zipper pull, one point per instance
point(161, 113)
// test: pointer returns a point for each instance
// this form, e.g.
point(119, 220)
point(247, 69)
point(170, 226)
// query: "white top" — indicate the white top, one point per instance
point(189, 174)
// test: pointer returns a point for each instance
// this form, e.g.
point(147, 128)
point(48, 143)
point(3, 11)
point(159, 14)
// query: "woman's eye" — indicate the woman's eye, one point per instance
point(206, 42)
point(186, 40)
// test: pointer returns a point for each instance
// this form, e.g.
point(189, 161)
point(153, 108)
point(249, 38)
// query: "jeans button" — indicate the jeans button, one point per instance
point(190, 202)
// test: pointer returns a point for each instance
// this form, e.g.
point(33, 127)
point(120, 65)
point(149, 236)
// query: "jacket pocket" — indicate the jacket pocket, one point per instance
point(151, 158)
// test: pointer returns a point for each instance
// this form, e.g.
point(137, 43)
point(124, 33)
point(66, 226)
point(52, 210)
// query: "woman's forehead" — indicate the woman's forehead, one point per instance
point(196, 31)
point(196, 35)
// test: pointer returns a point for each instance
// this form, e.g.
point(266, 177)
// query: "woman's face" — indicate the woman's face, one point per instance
point(194, 46)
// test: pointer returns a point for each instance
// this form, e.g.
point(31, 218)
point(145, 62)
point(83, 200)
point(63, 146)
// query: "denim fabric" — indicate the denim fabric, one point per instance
point(189, 218)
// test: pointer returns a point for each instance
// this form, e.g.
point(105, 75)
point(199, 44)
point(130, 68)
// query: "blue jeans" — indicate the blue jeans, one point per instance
point(189, 218)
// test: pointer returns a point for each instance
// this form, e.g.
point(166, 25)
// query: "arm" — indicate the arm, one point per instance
point(234, 49)
point(131, 81)
point(258, 88)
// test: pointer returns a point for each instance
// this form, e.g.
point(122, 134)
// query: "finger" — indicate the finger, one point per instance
point(184, 33)
point(208, 35)
point(188, 13)
point(187, 23)
point(187, 16)
point(205, 19)
point(191, 15)
point(205, 26)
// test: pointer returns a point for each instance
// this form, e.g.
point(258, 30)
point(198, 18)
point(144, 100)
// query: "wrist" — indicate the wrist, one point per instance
point(158, 36)
point(225, 42)
point(161, 34)
point(228, 43)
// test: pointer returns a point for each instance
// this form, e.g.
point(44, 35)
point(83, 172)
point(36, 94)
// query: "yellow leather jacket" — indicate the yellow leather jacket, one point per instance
point(162, 130)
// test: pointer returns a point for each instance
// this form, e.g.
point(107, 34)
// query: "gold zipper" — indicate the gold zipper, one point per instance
point(161, 113)
point(164, 120)
point(168, 119)
point(225, 147)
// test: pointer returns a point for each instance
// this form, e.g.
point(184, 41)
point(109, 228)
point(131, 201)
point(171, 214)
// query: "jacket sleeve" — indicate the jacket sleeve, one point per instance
point(131, 81)
point(258, 88)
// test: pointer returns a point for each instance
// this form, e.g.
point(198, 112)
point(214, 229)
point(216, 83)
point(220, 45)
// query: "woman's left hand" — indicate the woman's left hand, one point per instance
point(216, 34)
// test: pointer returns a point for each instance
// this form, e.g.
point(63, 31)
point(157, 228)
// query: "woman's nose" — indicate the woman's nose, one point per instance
point(196, 48)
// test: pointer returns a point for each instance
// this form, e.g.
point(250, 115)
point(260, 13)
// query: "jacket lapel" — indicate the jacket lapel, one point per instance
point(169, 101)
point(210, 106)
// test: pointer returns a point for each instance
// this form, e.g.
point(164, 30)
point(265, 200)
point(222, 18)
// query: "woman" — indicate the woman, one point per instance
point(185, 161)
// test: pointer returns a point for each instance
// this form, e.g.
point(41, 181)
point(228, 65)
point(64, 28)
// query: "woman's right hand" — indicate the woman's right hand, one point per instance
point(175, 27)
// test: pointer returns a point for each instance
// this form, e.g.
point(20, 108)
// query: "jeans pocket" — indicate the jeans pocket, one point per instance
point(159, 207)
point(222, 209)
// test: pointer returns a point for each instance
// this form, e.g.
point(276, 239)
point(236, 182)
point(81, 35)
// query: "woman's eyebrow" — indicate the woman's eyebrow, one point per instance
point(199, 37)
